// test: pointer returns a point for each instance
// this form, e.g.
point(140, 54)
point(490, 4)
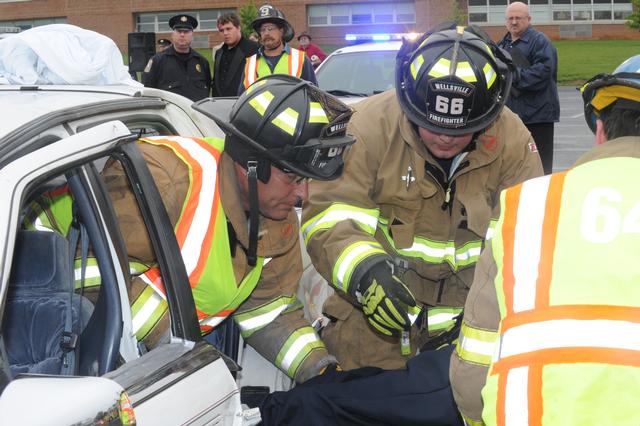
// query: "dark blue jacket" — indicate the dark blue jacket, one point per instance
point(534, 96)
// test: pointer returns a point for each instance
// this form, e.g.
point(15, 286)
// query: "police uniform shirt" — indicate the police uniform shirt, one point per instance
point(187, 74)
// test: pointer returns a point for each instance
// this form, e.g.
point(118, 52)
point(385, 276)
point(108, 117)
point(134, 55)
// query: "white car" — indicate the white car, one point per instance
point(54, 137)
point(354, 72)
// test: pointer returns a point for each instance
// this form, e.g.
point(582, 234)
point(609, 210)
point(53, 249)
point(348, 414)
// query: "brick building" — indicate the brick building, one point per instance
point(328, 21)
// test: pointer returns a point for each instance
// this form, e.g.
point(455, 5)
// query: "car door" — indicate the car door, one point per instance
point(181, 381)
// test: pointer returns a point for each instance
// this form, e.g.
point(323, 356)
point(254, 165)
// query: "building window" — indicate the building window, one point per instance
point(548, 11)
point(477, 17)
point(25, 24)
point(602, 15)
point(361, 14)
point(158, 22)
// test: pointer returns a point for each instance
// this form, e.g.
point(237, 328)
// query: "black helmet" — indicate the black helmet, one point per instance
point(269, 13)
point(453, 81)
point(286, 121)
point(618, 90)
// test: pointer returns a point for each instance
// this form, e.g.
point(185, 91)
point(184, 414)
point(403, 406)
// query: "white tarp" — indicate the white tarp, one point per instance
point(62, 54)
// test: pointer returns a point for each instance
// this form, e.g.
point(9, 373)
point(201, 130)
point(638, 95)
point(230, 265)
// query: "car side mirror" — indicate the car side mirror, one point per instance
point(103, 401)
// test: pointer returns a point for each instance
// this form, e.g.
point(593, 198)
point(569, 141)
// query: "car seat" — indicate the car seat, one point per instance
point(43, 316)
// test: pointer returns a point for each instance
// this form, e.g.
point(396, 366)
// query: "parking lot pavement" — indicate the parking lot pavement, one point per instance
point(572, 135)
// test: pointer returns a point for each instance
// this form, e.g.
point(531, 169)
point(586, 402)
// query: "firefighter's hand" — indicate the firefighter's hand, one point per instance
point(385, 300)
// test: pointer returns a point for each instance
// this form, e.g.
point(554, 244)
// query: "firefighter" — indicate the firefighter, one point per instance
point(550, 289)
point(242, 255)
point(274, 55)
point(399, 233)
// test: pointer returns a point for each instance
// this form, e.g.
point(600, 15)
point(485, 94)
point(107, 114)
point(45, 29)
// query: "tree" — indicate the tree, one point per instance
point(459, 15)
point(633, 20)
point(248, 12)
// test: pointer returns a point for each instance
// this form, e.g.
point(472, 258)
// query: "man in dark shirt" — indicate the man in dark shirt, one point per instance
point(229, 59)
point(179, 68)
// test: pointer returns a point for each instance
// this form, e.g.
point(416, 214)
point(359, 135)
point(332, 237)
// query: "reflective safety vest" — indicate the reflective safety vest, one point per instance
point(568, 347)
point(201, 231)
point(202, 235)
point(257, 67)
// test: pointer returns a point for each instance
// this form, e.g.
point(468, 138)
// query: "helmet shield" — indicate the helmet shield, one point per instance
point(289, 122)
point(452, 81)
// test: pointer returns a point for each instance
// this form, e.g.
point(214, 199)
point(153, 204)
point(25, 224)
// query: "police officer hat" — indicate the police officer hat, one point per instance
point(185, 22)
point(164, 42)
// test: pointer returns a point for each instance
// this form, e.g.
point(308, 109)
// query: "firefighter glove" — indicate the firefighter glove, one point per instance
point(385, 300)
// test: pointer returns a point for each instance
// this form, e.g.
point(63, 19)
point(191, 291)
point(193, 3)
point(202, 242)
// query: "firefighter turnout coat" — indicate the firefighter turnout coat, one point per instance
point(553, 315)
point(198, 186)
point(393, 201)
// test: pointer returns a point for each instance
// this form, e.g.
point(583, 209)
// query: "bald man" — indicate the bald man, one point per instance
point(534, 95)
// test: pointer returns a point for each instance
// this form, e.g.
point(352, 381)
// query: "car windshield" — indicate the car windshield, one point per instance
point(358, 73)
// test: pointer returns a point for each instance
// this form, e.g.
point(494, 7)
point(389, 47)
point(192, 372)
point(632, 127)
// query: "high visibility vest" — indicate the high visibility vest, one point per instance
point(289, 63)
point(202, 235)
point(201, 231)
point(568, 345)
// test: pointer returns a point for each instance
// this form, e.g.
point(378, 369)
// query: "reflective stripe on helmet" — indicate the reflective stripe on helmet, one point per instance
point(317, 114)
point(261, 102)
point(287, 120)
point(489, 74)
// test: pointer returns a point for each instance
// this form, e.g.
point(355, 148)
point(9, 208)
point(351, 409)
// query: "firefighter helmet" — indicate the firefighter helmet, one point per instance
point(452, 81)
point(288, 122)
point(618, 90)
point(269, 13)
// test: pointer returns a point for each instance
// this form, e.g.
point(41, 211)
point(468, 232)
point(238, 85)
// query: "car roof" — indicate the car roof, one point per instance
point(369, 47)
point(20, 105)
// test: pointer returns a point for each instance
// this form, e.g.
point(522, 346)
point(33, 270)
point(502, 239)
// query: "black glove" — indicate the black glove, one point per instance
point(385, 300)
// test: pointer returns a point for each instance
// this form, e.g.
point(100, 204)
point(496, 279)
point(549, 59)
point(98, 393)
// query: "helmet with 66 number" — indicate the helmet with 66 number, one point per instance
point(452, 81)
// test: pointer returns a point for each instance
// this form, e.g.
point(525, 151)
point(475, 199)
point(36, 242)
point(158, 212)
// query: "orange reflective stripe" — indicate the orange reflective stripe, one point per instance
point(534, 391)
point(185, 224)
point(296, 61)
point(153, 278)
point(576, 355)
point(578, 312)
point(512, 201)
point(549, 232)
point(250, 71)
point(501, 398)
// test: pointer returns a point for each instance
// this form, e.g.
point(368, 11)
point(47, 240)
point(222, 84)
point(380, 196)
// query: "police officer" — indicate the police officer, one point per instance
point(179, 68)
point(399, 233)
point(275, 56)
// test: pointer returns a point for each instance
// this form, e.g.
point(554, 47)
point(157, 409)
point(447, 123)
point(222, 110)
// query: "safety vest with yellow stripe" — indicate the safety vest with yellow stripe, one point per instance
point(568, 347)
point(256, 67)
point(422, 250)
point(202, 236)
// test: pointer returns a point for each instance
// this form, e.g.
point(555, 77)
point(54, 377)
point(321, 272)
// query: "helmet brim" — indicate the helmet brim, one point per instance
point(218, 109)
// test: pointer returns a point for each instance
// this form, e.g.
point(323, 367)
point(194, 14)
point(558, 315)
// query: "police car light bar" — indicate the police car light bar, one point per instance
point(380, 37)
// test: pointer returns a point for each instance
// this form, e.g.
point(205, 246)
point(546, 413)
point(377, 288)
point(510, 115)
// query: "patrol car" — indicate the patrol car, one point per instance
point(358, 71)
point(71, 357)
